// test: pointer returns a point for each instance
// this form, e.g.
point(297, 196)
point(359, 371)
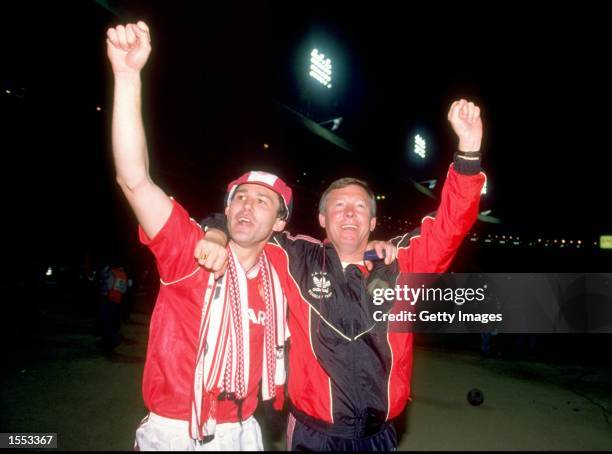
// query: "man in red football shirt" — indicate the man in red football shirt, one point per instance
point(212, 340)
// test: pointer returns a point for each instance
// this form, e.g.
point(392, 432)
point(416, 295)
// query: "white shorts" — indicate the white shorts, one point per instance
point(157, 433)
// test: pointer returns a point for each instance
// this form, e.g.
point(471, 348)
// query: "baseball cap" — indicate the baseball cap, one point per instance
point(267, 180)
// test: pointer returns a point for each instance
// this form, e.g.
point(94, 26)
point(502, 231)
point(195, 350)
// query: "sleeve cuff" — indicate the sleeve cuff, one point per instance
point(216, 221)
point(467, 166)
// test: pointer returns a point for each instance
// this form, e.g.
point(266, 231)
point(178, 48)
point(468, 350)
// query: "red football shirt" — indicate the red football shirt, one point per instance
point(167, 386)
point(227, 410)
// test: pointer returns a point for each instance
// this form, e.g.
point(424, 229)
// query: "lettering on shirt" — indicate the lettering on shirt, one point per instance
point(259, 319)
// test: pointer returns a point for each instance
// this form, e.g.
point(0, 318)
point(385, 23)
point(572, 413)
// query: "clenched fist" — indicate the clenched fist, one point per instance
point(465, 119)
point(128, 47)
point(211, 252)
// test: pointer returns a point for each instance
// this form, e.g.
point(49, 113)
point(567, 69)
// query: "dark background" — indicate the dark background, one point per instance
point(213, 90)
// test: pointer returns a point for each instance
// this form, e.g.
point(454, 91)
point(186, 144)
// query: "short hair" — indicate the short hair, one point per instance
point(282, 212)
point(343, 183)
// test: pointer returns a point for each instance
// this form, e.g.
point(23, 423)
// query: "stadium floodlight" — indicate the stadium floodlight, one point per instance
point(320, 68)
point(605, 242)
point(484, 187)
point(420, 146)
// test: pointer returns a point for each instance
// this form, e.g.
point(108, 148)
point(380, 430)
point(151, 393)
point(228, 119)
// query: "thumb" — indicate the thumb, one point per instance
point(142, 32)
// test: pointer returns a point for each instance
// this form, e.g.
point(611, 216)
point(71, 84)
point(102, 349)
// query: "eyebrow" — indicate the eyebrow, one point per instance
point(259, 194)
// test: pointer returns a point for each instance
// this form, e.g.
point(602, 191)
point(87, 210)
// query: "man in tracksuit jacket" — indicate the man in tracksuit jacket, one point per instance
point(349, 376)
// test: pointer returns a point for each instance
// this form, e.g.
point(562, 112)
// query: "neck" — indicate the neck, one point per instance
point(247, 256)
point(350, 256)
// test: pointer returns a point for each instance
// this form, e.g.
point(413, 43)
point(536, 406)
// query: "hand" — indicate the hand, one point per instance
point(379, 246)
point(211, 252)
point(465, 119)
point(128, 47)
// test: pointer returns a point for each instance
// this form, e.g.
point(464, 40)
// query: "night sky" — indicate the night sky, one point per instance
point(217, 79)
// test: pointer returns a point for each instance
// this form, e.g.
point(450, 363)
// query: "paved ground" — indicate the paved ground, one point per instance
point(63, 384)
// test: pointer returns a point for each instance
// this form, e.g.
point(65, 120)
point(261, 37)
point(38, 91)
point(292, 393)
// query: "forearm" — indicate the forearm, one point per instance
point(128, 136)
point(151, 205)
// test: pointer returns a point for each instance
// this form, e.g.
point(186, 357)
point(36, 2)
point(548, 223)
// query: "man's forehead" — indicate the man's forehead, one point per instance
point(352, 190)
point(257, 189)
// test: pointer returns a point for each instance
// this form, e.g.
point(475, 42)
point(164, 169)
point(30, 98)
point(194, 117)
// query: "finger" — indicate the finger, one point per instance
point(143, 26)
point(142, 32)
point(121, 37)
point(111, 34)
point(471, 110)
point(210, 260)
point(453, 109)
point(476, 113)
point(218, 263)
point(221, 272)
point(130, 35)
point(388, 254)
point(379, 250)
point(199, 249)
point(368, 265)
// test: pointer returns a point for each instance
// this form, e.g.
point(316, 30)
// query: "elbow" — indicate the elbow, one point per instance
point(131, 185)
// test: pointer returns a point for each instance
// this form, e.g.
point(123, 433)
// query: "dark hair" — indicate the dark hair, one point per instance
point(283, 212)
point(343, 183)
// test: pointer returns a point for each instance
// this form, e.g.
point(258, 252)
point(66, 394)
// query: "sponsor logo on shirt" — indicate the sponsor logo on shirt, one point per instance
point(259, 319)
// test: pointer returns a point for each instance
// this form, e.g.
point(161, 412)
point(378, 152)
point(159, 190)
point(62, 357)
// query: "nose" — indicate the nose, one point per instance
point(246, 203)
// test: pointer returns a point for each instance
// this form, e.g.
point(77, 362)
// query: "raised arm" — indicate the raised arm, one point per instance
point(128, 48)
point(431, 248)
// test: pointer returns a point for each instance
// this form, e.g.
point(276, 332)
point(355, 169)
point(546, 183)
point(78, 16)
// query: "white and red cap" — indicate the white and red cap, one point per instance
point(267, 180)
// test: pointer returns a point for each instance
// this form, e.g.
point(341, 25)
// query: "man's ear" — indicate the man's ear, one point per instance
point(226, 210)
point(322, 220)
point(372, 224)
point(279, 225)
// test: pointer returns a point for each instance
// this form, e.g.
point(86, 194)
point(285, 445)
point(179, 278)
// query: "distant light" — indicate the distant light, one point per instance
point(484, 187)
point(98, 108)
point(579, 241)
point(266, 146)
point(49, 271)
point(8, 92)
point(420, 146)
point(605, 242)
point(383, 197)
point(563, 241)
point(320, 68)
point(304, 173)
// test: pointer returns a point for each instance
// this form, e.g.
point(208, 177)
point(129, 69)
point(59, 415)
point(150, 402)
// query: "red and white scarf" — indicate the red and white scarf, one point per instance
point(222, 361)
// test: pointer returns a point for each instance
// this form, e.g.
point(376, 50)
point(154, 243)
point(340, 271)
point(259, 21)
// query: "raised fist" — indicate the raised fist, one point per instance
point(128, 47)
